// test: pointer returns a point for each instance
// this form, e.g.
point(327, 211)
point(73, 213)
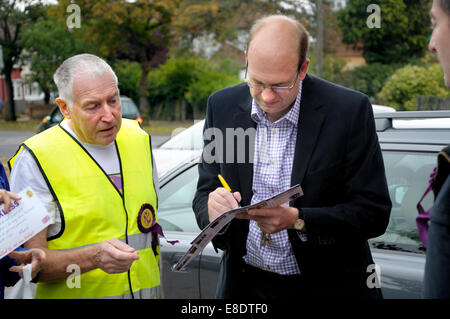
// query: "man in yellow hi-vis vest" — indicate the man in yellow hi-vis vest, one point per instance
point(95, 174)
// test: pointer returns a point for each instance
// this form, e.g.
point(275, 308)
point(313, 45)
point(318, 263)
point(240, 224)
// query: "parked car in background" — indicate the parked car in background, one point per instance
point(382, 108)
point(183, 146)
point(409, 141)
point(129, 111)
point(187, 143)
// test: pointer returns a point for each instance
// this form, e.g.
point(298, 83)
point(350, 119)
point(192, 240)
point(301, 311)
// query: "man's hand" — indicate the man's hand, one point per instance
point(221, 201)
point(35, 256)
point(5, 197)
point(272, 220)
point(114, 256)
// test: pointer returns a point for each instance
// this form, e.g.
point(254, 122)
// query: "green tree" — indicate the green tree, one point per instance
point(228, 21)
point(403, 31)
point(207, 83)
point(47, 44)
point(129, 75)
point(138, 31)
point(406, 84)
point(14, 15)
point(181, 86)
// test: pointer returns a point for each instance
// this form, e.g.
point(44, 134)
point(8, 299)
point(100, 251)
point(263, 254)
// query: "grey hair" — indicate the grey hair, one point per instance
point(76, 65)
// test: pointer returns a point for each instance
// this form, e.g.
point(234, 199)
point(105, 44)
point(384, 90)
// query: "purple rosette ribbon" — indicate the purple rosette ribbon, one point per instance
point(146, 222)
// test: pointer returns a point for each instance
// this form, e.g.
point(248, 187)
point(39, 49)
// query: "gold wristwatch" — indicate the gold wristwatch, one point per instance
point(300, 222)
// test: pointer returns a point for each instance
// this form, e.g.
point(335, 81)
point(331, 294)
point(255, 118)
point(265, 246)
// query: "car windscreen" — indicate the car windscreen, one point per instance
point(129, 108)
point(407, 175)
point(186, 139)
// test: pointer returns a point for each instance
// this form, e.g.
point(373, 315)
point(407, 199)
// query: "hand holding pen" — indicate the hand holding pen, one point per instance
point(222, 200)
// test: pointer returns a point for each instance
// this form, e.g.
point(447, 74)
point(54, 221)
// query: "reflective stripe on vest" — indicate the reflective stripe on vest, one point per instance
point(93, 209)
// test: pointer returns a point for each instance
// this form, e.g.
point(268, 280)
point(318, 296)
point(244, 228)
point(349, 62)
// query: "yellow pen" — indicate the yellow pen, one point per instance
point(224, 183)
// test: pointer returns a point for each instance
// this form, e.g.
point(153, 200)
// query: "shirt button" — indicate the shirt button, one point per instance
point(268, 267)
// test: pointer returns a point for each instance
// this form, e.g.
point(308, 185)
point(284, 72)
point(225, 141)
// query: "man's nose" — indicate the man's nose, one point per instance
point(431, 45)
point(268, 94)
point(107, 114)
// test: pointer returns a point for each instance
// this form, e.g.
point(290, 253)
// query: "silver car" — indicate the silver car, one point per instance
point(409, 141)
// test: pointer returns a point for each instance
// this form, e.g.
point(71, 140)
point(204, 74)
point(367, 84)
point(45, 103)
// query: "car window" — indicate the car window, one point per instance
point(407, 176)
point(188, 139)
point(128, 107)
point(175, 202)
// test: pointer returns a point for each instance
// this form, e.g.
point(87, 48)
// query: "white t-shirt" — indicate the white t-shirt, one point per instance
point(26, 173)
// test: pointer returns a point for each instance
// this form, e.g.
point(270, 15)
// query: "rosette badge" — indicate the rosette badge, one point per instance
point(146, 218)
point(146, 221)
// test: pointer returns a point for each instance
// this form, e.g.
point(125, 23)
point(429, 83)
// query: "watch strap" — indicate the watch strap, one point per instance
point(301, 215)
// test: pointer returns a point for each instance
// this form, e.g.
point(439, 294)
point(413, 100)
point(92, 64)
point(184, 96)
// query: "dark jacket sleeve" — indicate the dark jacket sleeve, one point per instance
point(3, 179)
point(208, 169)
point(8, 278)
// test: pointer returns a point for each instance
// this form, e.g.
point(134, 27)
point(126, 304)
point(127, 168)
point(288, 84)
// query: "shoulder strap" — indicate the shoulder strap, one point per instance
point(424, 216)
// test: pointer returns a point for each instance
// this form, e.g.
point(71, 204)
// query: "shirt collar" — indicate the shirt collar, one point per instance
point(257, 114)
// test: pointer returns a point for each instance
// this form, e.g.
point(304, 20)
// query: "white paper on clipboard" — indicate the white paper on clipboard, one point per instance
point(208, 233)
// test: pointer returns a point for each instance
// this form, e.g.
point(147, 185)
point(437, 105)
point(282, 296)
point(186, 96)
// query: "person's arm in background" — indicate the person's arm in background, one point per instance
point(12, 265)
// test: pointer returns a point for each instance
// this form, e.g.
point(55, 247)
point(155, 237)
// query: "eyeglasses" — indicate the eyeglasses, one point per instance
point(275, 88)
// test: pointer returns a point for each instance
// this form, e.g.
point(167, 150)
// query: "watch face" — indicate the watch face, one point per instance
point(299, 224)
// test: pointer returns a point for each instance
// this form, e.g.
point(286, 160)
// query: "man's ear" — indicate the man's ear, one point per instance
point(63, 107)
point(246, 58)
point(304, 70)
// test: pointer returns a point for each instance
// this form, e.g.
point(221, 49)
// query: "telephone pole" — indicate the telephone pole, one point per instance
point(319, 38)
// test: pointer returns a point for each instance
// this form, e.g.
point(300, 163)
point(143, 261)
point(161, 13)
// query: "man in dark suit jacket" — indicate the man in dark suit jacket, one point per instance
point(317, 246)
point(436, 283)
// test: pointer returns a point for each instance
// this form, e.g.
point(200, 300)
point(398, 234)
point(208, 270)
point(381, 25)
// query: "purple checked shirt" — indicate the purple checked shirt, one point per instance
point(272, 169)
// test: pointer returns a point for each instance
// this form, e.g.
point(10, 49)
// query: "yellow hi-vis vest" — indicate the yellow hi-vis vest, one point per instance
point(94, 210)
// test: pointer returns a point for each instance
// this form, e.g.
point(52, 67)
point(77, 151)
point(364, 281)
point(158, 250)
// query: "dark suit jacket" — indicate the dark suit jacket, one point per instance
point(436, 281)
point(339, 165)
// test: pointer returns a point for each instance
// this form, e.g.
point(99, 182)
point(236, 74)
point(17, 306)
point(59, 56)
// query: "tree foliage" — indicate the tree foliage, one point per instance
point(406, 84)
point(181, 86)
point(402, 34)
point(47, 44)
point(129, 75)
point(228, 21)
point(14, 16)
point(138, 31)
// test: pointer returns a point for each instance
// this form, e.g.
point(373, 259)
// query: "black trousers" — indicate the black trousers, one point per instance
point(265, 285)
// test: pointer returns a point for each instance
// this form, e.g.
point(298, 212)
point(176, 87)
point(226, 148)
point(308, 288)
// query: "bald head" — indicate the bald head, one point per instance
point(276, 59)
point(278, 36)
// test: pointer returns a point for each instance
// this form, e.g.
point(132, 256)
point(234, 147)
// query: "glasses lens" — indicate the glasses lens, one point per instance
point(256, 87)
point(280, 90)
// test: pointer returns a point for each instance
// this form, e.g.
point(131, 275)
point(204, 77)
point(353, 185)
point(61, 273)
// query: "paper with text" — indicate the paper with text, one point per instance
point(208, 233)
point(26, 218)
